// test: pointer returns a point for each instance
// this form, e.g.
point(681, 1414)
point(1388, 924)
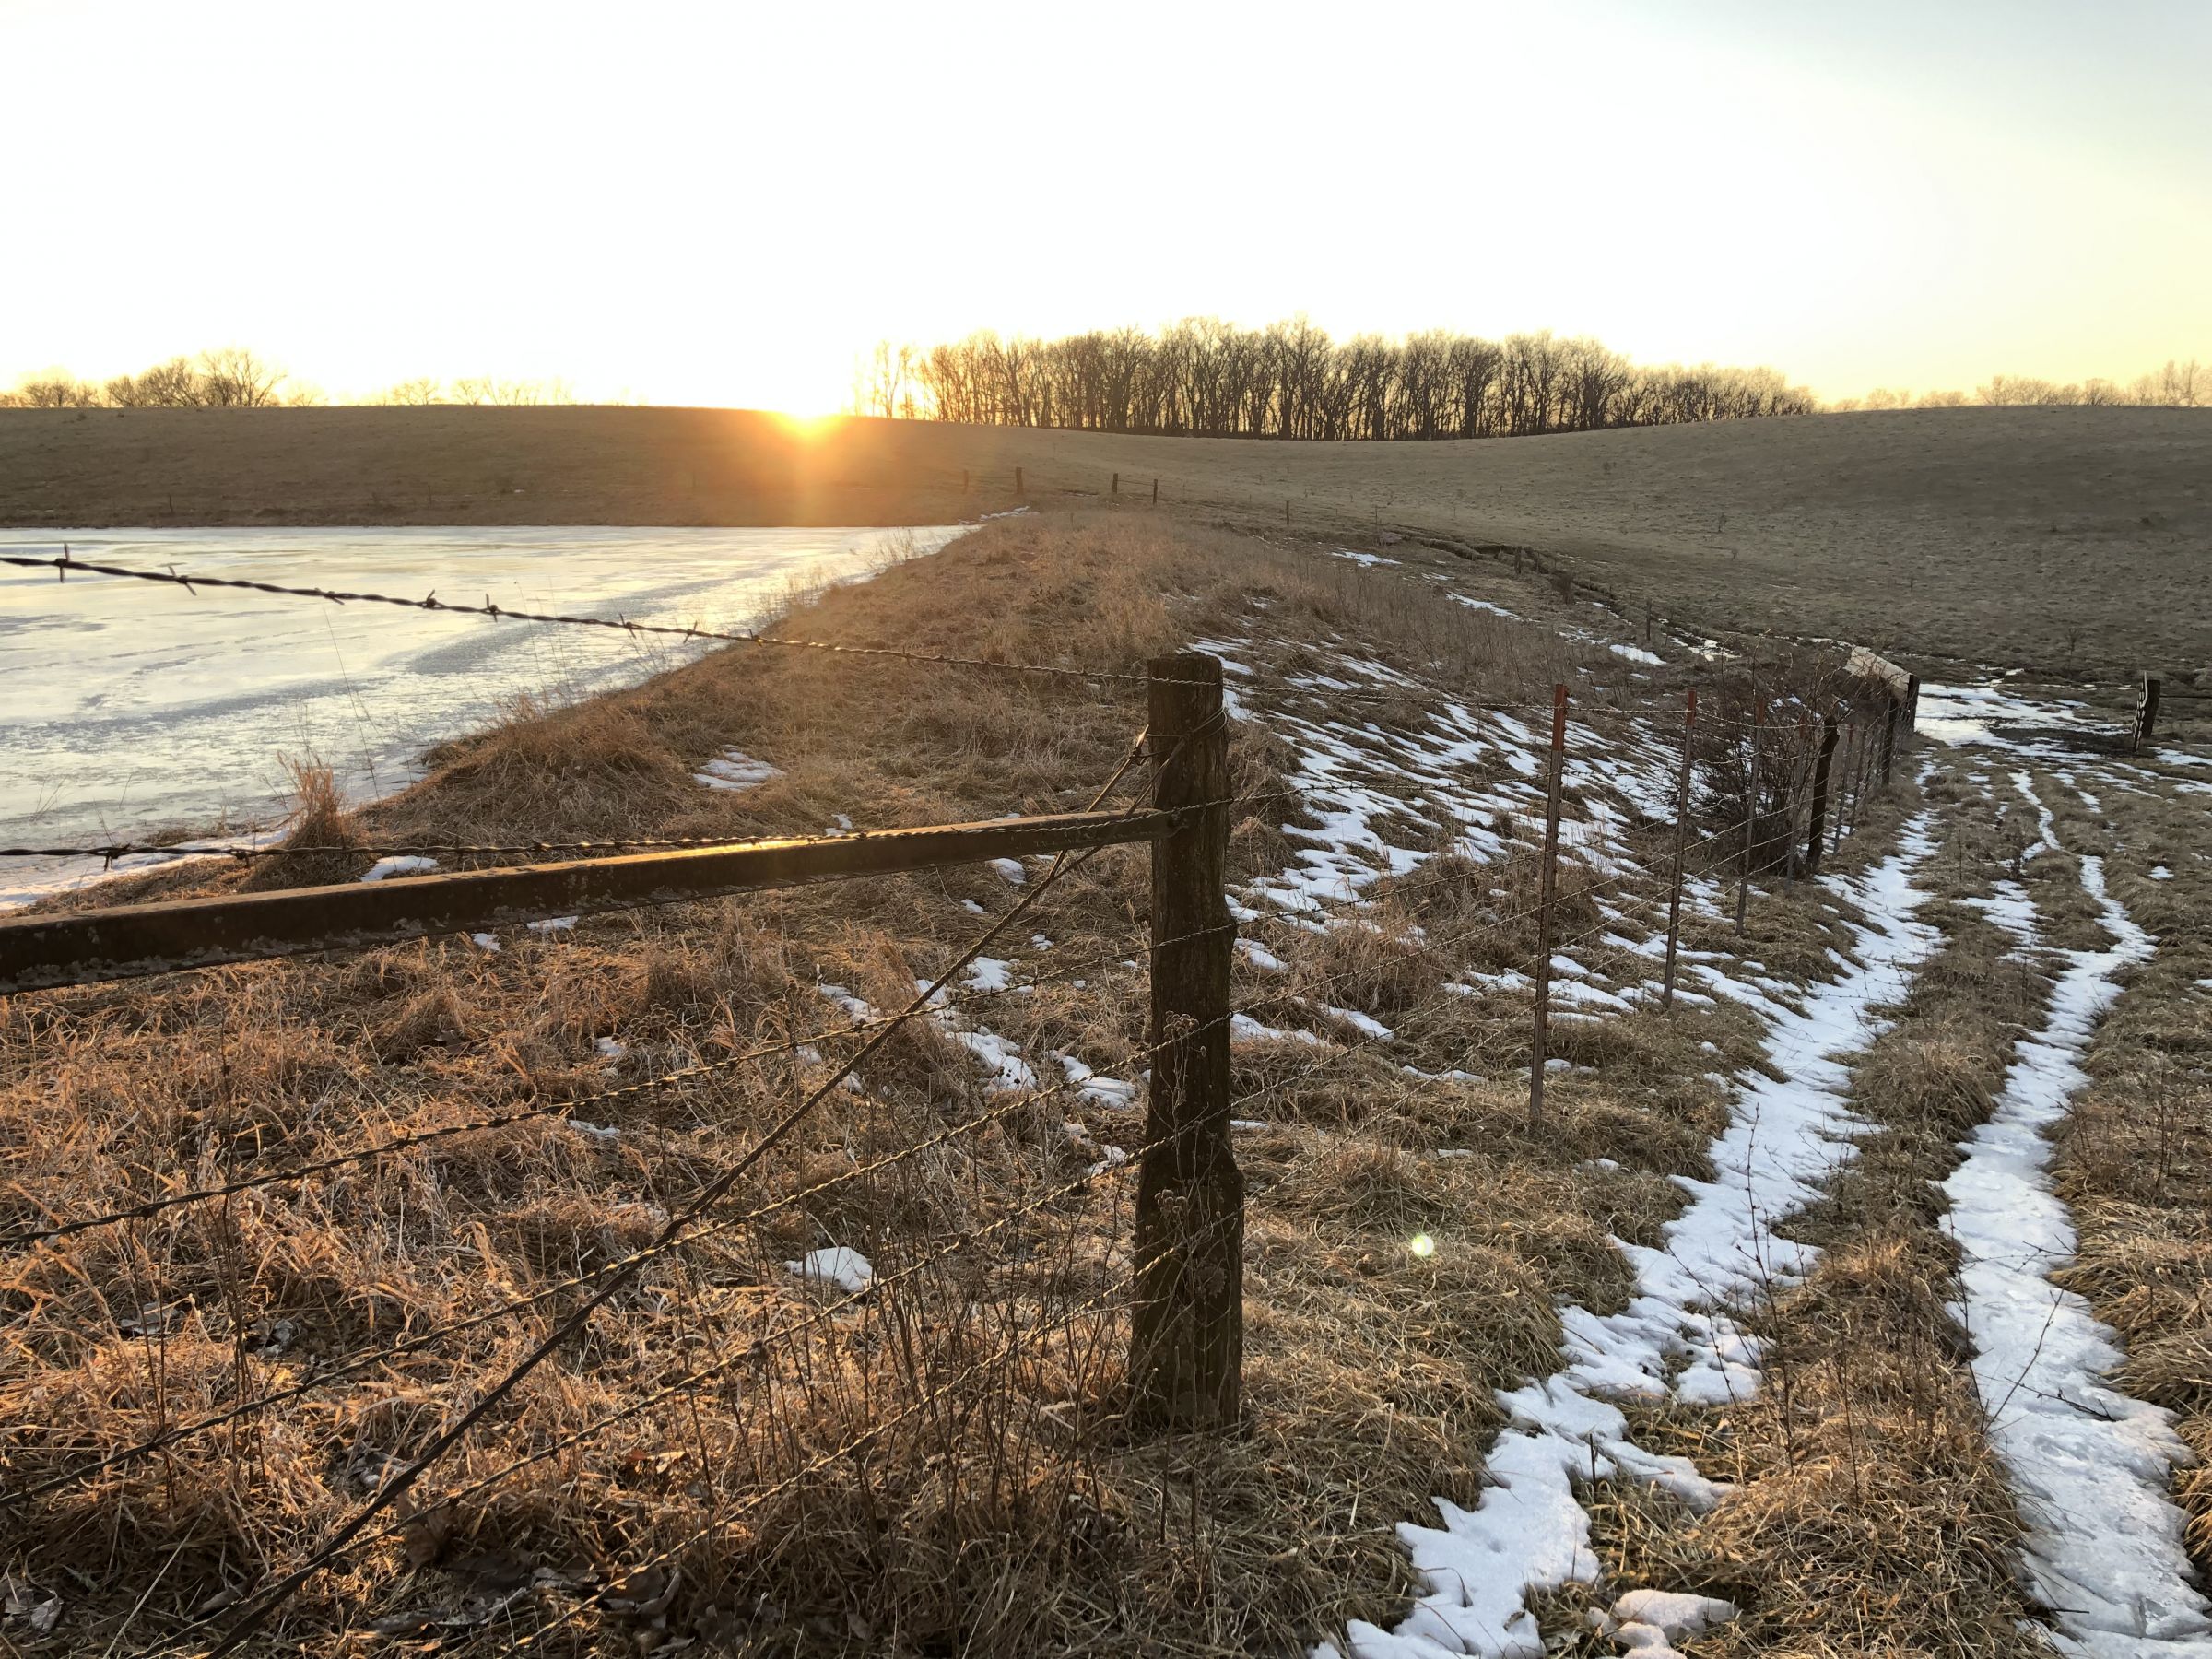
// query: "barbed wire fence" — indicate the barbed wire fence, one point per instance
point(1005, 1260)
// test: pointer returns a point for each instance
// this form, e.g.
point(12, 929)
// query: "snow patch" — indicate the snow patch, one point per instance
point(735, 771)
point(840, 1265)
point(404, 865)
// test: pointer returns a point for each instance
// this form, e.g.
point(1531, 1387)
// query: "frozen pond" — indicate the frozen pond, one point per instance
point(127, 707)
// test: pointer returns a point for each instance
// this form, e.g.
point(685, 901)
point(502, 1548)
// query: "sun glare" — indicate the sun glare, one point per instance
point(807, 428)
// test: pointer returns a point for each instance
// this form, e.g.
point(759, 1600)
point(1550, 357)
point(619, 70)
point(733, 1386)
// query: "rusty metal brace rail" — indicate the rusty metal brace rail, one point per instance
point(131, 941)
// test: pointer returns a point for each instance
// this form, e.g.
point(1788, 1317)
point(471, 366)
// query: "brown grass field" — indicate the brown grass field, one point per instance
point(2072, 541)
point(1026, 1521)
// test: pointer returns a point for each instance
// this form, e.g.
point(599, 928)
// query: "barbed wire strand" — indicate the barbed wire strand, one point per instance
point(786, 1201)
point(392, 1489)
point(691, 1379)
point(1007, 1351)
point(1020, 1102)
point(569, 1108)
point(62, 565)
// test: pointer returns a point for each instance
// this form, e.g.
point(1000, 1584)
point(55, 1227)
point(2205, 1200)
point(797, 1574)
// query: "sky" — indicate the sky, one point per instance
point(724, 203)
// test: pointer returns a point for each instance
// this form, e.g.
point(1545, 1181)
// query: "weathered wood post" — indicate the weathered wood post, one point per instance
point(1117, 485)
point(1743, 880)
point(1912, 705)
point(1537, 1058)
point(1155, 492)
point(1674, 902)
point(1854, 772)
point(1828, 734)
point(1187, 1329)
point(1018, 489)
point(1286, 509)
point(1801, 772)
point(1895, 712)
point(1516, 561)
point(1849, 745)
point(2146, 712)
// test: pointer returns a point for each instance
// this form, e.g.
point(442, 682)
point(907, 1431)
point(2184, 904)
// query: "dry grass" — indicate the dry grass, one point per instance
point(1001, 1506)
point(990, 1499)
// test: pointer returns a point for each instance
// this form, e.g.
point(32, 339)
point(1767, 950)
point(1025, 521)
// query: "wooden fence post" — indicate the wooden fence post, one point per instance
point(1117, 485)
point(1849, 732)
point(1647, 626)
point(1801, 772)
point(1516, 561)
point(1743, 880)
point(1828, 734)
point(1912, 705)
point(1018, 489)
point(1187, 1328)
point(1674, 904)
point(1155, 492)
point(1286, 509)
point(1537, 1058)
point(2146, 712)
point(1890, 721)
point(1855, 775)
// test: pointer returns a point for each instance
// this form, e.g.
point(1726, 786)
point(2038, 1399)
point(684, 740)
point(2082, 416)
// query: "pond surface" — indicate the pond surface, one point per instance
point(128, 707)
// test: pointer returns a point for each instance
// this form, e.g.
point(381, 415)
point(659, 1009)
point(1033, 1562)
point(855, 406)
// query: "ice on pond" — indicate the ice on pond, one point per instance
point(134, 706)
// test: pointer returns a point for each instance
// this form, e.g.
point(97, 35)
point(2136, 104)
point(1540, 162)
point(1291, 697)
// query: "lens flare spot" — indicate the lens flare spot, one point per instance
point(1422, 1245)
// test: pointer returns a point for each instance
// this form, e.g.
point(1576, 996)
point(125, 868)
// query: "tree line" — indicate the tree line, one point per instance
point(236, 378)
point(2176, 385)
point(1207, 377)
point(232, 377)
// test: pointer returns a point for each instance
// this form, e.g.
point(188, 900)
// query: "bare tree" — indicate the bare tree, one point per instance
point(235, 377)
point(175, 384)
point(55, 390)
point(2184, 385)
point(513, 394)
point(880, 381)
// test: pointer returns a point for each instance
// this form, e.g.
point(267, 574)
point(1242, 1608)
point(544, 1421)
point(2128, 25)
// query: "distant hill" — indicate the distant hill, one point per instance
point(2075, 540)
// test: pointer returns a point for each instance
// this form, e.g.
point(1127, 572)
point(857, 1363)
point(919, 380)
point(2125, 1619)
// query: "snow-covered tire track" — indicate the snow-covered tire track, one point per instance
point(1530, 1532)
point(2090, 1464)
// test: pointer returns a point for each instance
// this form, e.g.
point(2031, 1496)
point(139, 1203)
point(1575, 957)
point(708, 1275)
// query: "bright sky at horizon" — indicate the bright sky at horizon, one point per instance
point(713, 202)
